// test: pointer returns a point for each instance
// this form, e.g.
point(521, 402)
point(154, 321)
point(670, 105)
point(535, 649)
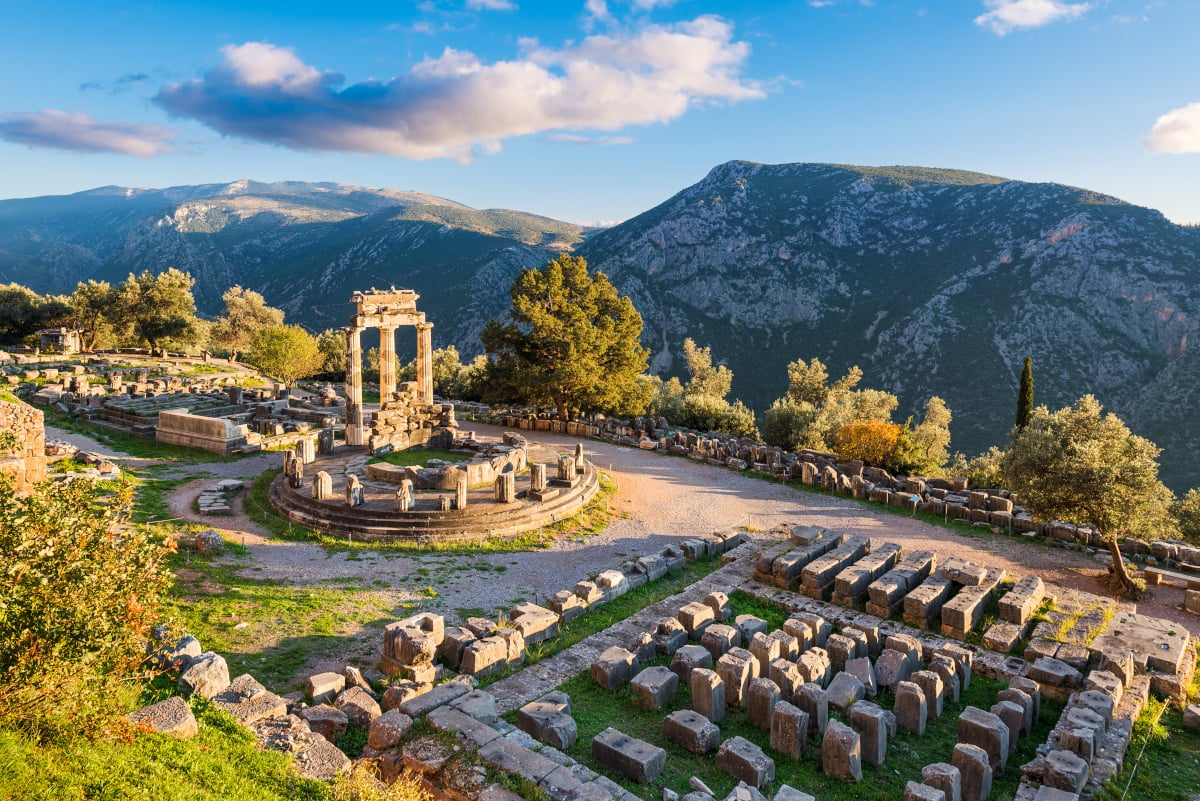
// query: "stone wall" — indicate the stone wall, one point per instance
point(215, 434)
point(27, 465)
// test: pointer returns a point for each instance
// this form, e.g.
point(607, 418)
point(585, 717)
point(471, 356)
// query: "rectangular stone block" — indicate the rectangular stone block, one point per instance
point(745, 761)
point(789, 729)
point(636, 760)
point(924, 604)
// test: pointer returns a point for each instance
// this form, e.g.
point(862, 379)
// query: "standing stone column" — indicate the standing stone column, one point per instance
point(537, 477)
point(460, 494)
point(404, 496)
point(306, 450)
point(506, 488)
point(425, 362)
point(566, 468)
point(387, 363)
point(354, 410)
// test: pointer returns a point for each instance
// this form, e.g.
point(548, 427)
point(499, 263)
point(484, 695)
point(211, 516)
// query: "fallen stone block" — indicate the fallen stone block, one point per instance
point(746, 762)
point(922, 792)
point(718, 638)
point(841, 753)
point(708, 694)
point(506, 755)
point(891, 668)
point(654, 687)
point(975, 771)
point(844, 692)
point(172, 716)
point(864, 671)
point(438, 696)
point(761, 698)
point(535, 623)
point(548, 720)
point(388, 729)
point(695, 617)
point(912, 709)
point(924, 604)
point(870, 721)
point(986, 731)
point(206, 675)
point(691, 731)
point(789, 729)
point(812, 699)
point(634, 759)
point(326, 721)
point(614, 667)
point(1054, 673)
point(945, 777)
point(1065, 771)
point(669, 636)
point(1019, 603)
point(249, 702)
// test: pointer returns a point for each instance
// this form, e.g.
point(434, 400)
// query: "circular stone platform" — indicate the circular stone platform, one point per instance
point(378, 519)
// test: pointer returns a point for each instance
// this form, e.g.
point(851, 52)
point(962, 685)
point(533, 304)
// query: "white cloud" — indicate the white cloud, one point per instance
point(1007, 16)
point(455, 105)
point(1177, 131)
point(597, 9)
point(63, 130)
point(491, 5)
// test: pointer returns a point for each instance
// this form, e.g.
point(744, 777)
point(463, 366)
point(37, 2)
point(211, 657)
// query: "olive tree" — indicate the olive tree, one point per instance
point(1083, 466)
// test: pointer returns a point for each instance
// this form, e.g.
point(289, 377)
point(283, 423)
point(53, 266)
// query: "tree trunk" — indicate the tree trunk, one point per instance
point(1120, 575)
point(561, 405)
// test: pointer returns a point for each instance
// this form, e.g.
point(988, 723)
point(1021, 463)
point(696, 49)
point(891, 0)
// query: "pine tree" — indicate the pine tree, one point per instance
point(1025, 394)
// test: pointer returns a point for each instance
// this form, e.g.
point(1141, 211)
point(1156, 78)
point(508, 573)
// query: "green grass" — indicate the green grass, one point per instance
point(150, 500)
point(6, 395)
point(222, 763)
point(595, 709)
point(128, 444)
point(417, 457)
point(601, 617)
point(590, 520)
point(287, 625)
point(1168, 769)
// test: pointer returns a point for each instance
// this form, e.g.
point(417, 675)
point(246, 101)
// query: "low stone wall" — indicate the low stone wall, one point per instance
point(27, 464)
point(215, 434)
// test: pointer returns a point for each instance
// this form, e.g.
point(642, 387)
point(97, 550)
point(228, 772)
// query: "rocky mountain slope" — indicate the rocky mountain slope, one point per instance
point(933, 281)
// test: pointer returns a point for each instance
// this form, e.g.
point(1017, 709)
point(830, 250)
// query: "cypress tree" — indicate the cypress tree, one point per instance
point(1025, 394)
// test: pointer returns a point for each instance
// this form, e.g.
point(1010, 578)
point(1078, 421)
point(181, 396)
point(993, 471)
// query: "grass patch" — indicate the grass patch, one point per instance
point(138, 447)
point(417, 457)
point(222, 763)
point(150, 499)
point(1163, 762)
point(601, 617)
point(286, 625)
point(595, 709)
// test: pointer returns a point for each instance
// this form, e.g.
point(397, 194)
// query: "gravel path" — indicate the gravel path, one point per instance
point(665, 499)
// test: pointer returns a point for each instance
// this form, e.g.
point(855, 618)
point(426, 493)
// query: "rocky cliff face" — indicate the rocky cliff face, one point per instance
point(933, 281)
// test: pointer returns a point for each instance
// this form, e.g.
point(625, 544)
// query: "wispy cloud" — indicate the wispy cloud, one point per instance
point(1007, 16)
point(576, 139)
point(62, 130)
point(455, 105)
point(118, 86)
point(492, 5)
point(1177, 131)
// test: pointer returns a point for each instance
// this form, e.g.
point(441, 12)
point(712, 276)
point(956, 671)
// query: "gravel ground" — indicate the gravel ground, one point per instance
point(664, 499)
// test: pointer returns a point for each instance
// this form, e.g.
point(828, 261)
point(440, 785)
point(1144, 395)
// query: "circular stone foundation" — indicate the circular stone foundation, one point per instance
point(377, 518)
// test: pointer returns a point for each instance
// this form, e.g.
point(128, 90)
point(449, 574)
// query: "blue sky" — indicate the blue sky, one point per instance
point(596, 110)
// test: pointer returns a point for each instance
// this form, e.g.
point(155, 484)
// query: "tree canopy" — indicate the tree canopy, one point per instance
point(1025, 394)
point(286, 353)
point(571, 341)
point(160, 308)
point(246, 313)
point(1083, 466)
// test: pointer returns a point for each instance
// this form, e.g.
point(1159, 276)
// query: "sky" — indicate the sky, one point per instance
point(593, 111)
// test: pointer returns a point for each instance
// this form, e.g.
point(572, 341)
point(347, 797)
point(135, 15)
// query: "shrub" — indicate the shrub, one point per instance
point(869, 440)
point(81, 591)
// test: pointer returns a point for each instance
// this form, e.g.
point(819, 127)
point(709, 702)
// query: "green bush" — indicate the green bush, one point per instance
point(81, 591)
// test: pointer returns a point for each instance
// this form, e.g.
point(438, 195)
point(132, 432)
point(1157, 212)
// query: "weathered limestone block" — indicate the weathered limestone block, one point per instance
point(850, 585)
point(614, 667)
point(933, 690)
point(788, 793)
point(1065, 770)
point(906, 644)
point(248, 702)
point(870, 721)
point(1100, 703)
point(786, 676)
point(654, 687)
point(1030, 688)
point(964, 659)
point(1105, 682)
point(1019, 603)
point(1022, 700)
point(923, 604)
point(974, 770)
point(669, 636)
point(172, 716)
point(206, 675)
point(1054, 672)
point(947, 670)
point(454, 642)
point(548, 720)
point(746, 762)
point(1002, 637)
point(690, 657)
point(962, 613)
point(1191, 717)
point(1013, 717)
point(817, 578)
point(986, 731)
point(864, 630)
point(695, 617)
point(891, 668)
point(396, 694)
point(922, 792)
point(841, 649)
point(483, 656)
point(691, 731)
point(719, 603)
point(841, 753)
point(749, 625)
point(844, 692)
point(761, 698)
point(506, 755)
point(864, 671)
point(945, 777)
point(815, 666)
point(426, 702)
point(912, 710)
point(634, 759)
point(765, 649)
point(708, 694)
point(813, 700)
point(789, 729)
point(535, 623)
point(326, 721)
point(388, 729)
point(481, 706)
point(817, 625)
point(719, 638)
point(962, 572)
point(737, 668)
point(614, 583)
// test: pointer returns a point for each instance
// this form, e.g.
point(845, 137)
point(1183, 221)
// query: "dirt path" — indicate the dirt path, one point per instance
point(665, 499)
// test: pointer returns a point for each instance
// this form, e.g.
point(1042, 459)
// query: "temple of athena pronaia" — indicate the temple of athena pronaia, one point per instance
point(501, 486)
